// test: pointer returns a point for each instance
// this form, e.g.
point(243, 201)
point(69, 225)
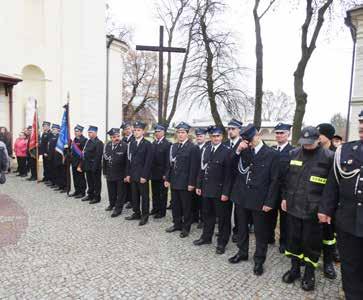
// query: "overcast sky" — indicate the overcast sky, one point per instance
point(328, 74)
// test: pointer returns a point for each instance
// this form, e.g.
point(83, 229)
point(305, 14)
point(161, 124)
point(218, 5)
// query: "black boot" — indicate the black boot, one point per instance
point(328, 256)
point(308, 281)
point(294, 273)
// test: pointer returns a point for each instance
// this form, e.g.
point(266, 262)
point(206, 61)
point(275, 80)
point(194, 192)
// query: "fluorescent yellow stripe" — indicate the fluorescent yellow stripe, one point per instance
point(287, 253)
point(317, 179)
point(308, 260)
point(329, 242)
point(298, 163)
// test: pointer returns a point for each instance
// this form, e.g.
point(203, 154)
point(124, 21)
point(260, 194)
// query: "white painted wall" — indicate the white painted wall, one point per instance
point(66, 40)
point(357, 97)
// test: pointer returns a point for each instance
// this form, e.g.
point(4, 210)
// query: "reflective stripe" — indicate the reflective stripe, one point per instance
point(308, 260)
point(298, 163)
point(287, 253)
point(317, 179)
point(329, 242)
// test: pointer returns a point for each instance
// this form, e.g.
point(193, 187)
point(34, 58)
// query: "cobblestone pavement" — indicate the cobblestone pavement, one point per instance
point(68, 249)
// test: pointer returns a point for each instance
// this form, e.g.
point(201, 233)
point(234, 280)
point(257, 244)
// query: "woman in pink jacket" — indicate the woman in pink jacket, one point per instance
point(20, 147)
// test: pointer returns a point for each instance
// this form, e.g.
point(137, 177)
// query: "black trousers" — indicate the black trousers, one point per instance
point(46, 166)
point(260, 221)
point(182, 208)
point(140, 195)
point(304, 239)
point(159, 196)
point(128, 193)
point(22, 165)
point(351, 256)
point(197, 208)
point(329, 242)
point(116, 194)
point(61, 176)
point(94, 184)
point(235, 220)
point(283, 225)
point(215, 208)
point(79, 181)
point(33, 167)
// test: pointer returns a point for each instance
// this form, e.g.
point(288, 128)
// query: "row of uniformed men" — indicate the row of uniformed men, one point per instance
point(244, 172)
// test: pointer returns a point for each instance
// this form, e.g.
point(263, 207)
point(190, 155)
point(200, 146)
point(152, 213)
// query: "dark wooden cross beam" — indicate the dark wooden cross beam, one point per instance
point(161, 49)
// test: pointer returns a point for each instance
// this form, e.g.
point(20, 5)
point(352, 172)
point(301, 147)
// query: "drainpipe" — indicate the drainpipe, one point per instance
point(353, 31)
point(108, 45)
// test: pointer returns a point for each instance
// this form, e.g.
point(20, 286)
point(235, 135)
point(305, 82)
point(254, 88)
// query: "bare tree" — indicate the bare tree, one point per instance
point(277, 107)
point(140, 84)
point(170, 12)
point(213, 69)
point(259, 59)
point(115, 28)
point(340, 124)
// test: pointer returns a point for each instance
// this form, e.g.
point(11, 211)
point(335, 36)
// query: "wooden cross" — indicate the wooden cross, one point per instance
point(161, 49)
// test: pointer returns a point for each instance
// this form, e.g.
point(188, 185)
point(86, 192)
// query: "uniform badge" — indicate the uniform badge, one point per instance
point(306, 134)
point(355, 147)
point(350, 161)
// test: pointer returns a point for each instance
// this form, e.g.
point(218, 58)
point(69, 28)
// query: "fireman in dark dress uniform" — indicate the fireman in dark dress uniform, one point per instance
point(114, 168)
point(79, 178)
point(182, 178)
point(254, 193)
point(202, 143)
point(327, 132)
point(127, 132)
point(214, 185)
point(158, 170)
point(49, 154)
point(92, 165)
point(283, 147)
point(343, 201)
point(140, 158)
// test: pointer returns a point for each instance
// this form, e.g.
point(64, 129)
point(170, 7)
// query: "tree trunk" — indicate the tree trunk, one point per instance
point(209, 77)
point(306, 52)
point(259, 68)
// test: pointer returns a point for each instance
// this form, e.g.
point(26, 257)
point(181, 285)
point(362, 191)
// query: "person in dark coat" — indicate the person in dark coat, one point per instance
point(79, 178)
point(307, 175)
point(49, 155)
point(197, 204)
point(343, 201)
point(158, 170)
point(283, 147)
point(182, 178)
point(234, 128)
point(6, 137)
point(254, 193)
point(92, 165)
point(44, 140)
point(128, 136)
point(330, 252)
point(114, 168)
point(214, 185)
point(140, 159)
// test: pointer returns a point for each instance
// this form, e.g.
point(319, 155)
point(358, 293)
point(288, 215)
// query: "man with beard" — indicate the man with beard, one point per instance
point(309, 167)
point(114, 168)
point(79, 179)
